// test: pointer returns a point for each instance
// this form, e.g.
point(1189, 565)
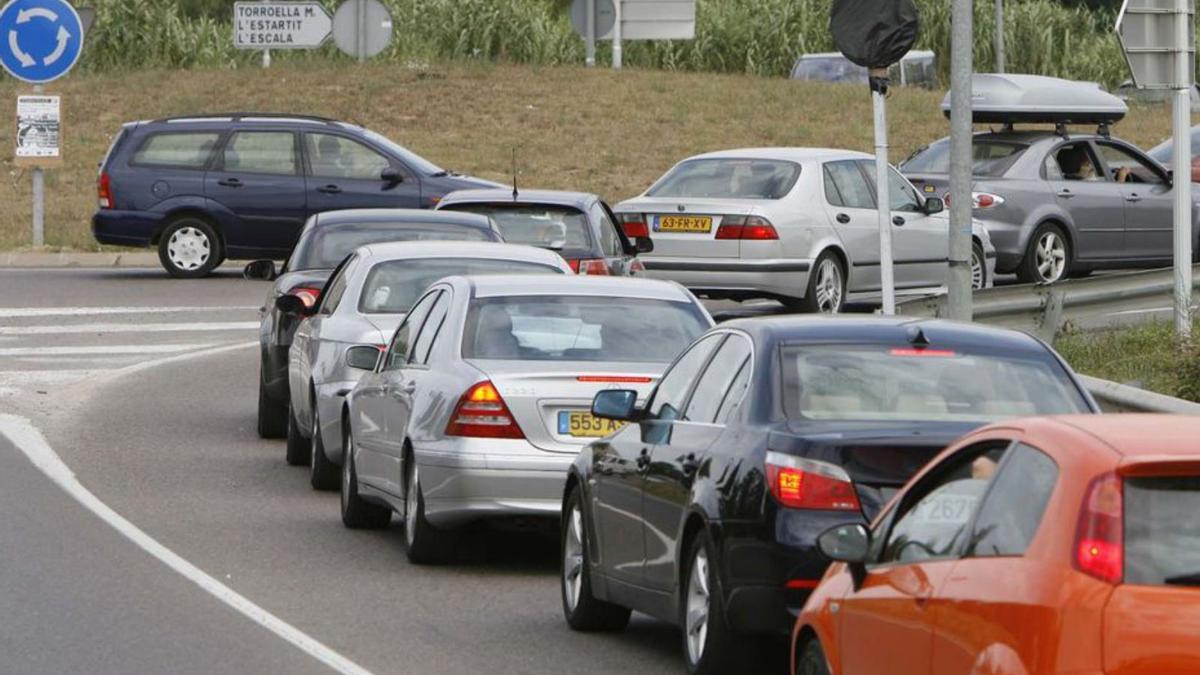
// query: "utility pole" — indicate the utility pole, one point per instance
point(961, 203)
point(1182, 187)
point(879, 86)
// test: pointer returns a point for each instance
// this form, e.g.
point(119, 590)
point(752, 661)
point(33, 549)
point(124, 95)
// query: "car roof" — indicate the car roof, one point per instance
point(505, 195)
point(399, 250)
point(879, 329)
point(499, 285)
point(397, 216)
point(1133, 434)
point(784, 154)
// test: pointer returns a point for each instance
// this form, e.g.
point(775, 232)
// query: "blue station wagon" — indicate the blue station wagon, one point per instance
point(238, 185)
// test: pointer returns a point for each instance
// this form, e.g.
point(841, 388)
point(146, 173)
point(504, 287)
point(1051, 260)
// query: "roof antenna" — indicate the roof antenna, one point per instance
point(514, 168)
point(916, 337)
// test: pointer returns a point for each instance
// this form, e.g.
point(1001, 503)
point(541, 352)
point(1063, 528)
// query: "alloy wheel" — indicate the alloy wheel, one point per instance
point(573, 559)
point(1051, 256)
point(696, 618)
point(188, 248)
point(976, 271)
point(829, 287)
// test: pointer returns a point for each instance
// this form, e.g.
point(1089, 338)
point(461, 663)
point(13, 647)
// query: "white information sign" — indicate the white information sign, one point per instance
point(280, 25)
point(39, 120)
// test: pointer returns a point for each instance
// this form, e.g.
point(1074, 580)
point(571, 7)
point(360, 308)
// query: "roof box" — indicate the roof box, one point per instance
point(1008, 99)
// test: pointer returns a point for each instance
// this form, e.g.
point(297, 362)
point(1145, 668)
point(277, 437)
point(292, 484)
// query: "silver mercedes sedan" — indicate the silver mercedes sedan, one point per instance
point(353, 320)
point(483, 397)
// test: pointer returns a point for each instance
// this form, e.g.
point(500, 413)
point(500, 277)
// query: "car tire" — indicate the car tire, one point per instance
point(272, 415)
point(710, 645)
point(189, 248)
point(810, 660)
point(425, 544)
point(1048, 258)
point(581, 609)
point(358, 513)
point(322, 473)
point(826, 291)
point(978, 267)
point(297, 445)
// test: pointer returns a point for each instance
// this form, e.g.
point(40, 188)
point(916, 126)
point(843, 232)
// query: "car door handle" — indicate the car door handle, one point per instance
point(1065, 193)
point(689, 465)
point(842, 218)
point(1133, 198)
point(897, 221)
point(230, 182)
point(329, 189)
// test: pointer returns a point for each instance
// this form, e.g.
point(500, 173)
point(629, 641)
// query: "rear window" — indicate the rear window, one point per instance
point(728, 179)
point(581, 328)
point(561, 228)
point(869, 382)
point(186, 150)
point(324, 247)
point(988, 158)
point(393, 286)
point(1162, 533)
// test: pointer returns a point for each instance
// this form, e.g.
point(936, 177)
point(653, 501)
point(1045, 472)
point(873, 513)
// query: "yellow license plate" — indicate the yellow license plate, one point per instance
point(683, 224)
point(583, 424)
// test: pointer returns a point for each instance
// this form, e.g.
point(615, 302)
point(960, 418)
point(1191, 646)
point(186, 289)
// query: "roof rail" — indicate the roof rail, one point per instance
point(235, 116)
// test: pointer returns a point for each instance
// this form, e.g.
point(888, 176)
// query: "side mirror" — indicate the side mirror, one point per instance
point(290, 304)
point(363, 357)
point(263, 270)
point(391, 175)
point(934, 205)
point(616, 404)
point(845, 543)
point(644, 244)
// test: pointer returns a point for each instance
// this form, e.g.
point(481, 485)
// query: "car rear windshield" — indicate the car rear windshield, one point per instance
point(325, 247)
point(1162, 533)
point(561, 228)
point(394, 285)
point(581, 328)
point(728, 179)
point(902, 383)
point(988, 158)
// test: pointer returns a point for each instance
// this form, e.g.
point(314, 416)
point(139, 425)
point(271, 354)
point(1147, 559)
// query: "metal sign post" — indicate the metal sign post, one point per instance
point(1159, 42)
point(887, 276)
point(958, 282)
point(589, 33)
point(617, 50)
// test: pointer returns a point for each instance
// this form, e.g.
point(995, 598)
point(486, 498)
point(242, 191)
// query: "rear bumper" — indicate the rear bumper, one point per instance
point(1009, 240)
point(733, 277)
point(126, 228)
point(473, 478)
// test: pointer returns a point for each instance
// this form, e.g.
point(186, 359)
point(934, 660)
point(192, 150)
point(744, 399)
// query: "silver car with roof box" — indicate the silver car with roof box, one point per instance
point(354, 319)
point(483, 398)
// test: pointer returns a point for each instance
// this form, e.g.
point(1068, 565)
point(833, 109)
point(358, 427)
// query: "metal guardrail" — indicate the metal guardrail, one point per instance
point(1114, 397)
point(1044, 308)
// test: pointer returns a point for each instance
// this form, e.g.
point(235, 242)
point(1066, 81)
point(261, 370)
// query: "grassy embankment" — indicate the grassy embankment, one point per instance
point(601, 131)
point(1149, 356)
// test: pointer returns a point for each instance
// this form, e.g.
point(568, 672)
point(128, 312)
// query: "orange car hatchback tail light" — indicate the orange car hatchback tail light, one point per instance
point(1099, 537)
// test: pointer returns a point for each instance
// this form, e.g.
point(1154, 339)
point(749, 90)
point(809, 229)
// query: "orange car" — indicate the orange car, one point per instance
point(1063, 545)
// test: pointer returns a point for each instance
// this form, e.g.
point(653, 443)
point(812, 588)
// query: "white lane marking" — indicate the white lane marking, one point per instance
point(67, 329)
point(30, 441)
point(21, 312)
point(101, 350)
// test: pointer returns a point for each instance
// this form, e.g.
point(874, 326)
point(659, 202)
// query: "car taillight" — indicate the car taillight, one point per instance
point(307, 295)
point(594, 267)
point(636, 267)
point(481, 412)
point(634, 225)
point(1099, 537)
point(746, 227)
point(808, 484)
point(981, 200)
point(104, 190)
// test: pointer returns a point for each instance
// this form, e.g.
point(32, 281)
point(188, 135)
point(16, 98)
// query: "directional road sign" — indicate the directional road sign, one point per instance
point(280, 25)
point(39, 39)
point(1146, 29)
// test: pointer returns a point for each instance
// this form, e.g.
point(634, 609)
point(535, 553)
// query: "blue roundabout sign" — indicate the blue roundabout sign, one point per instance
point(40, 40)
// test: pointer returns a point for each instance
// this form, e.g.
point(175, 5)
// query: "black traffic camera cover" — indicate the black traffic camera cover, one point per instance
point(874, 33)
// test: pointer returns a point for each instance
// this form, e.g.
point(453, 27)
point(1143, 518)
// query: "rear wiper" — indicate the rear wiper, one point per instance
point(1184, 580)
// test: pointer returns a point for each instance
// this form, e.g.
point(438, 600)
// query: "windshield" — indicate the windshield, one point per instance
point(414, 161)
point(728, 179)
point(393, 286)
point(581, 328)
point(561, 228)
point(883, 383)
point(325, 247)
point(1162, 535)
point(988, 158)
point(1164, 152)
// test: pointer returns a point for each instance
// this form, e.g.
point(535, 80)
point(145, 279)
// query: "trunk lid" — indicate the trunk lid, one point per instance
point(676, 244)
point(544, 395)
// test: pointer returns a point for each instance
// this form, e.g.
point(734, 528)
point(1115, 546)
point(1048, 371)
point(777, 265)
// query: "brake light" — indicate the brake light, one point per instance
point(917, 351)
point(307, 295)
point(634, 225)
point(482, 413)
point(631, 379)
point(981, 200)
point(746, 227)
point(808, 484)
point(104, 190)
point(594, 267)
point(1099, 537)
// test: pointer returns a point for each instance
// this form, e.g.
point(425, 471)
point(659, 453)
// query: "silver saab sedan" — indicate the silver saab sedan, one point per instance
point(798, 225)
point(353, 320)
point(483, 398)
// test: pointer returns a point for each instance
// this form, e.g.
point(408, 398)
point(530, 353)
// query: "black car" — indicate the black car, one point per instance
point(324, 242)
point(241, 185)
point(705, 508)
